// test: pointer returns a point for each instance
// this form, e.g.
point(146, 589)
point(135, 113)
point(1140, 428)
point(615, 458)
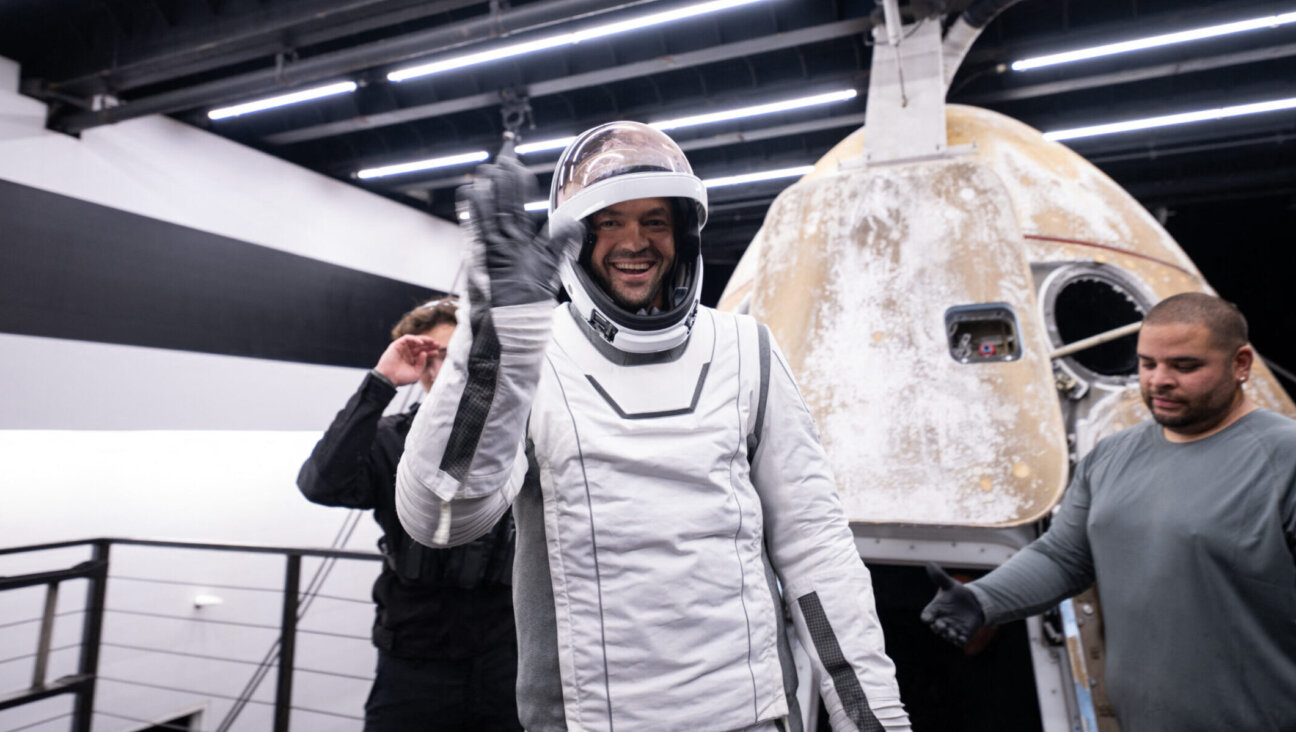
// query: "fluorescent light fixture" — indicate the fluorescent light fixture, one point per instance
point(734, 180)
point(564, 39)
point(730, 180)
point(784, 106)
point(342, 87)
point(556, 143)
point(704, 119)
point(1173, 119)
point(1197, 34)
point(417, 165)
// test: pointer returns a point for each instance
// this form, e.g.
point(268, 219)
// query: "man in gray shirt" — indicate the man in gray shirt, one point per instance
point(1187, 523)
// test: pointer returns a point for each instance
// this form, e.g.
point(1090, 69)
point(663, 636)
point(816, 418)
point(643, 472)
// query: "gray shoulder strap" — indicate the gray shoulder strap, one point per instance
point(763, 346)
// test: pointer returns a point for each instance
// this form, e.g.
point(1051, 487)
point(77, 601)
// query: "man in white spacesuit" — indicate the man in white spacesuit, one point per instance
point(662, 467)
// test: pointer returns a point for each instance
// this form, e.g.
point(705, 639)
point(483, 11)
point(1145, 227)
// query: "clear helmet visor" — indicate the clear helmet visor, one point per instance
point(612, 150)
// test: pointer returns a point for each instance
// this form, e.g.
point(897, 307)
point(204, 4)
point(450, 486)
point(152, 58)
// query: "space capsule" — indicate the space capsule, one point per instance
point(957, 297)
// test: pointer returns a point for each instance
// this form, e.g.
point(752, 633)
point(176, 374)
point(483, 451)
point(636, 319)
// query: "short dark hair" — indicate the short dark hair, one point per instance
point(427, 316)
point(1227, 325)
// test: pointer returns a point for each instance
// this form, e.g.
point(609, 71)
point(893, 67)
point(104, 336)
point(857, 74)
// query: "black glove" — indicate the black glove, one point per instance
point(522, 264)
point(954, 614)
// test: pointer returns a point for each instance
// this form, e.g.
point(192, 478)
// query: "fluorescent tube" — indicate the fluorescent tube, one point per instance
point(342, 87)
point(1172, 119)
point(733, 180)
point(1166, 39)
point(417, 165)
point(564, 39)
point(696, 120)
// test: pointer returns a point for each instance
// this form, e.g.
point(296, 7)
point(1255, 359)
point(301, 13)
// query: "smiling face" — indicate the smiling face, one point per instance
point(1192, 385)
point(633, 251)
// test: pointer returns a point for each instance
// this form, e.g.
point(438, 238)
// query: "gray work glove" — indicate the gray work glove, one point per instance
point(521, 263)
point(954, 614)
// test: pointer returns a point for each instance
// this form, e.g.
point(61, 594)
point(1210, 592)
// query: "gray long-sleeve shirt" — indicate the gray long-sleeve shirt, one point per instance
point(1192, 547)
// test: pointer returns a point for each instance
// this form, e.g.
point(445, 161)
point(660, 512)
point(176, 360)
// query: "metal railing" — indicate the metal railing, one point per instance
point(81, 685)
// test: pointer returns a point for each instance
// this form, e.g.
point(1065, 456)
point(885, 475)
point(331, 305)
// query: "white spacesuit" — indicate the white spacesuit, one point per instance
point(661, 466)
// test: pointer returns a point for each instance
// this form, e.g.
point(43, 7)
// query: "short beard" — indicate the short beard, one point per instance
point(1203, 416)
point(631, 306)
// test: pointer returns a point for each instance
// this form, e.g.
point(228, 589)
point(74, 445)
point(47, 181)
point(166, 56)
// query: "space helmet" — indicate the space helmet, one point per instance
point(611, 164)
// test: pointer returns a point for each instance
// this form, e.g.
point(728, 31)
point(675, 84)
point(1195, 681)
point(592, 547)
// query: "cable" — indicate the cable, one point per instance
point(338, 674)
point(339, 540)
point(331, 634)
point(152, 724)
point(185, 654)
point(261, 626)
point(164, 687)
point(33, 655)
point(178, 583)
point(43, 721)
point(189, 583)
point(63, 614)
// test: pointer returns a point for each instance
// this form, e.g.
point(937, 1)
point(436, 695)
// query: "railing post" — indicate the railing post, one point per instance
point(287, 644)
point(91, 634)
point(46, 633)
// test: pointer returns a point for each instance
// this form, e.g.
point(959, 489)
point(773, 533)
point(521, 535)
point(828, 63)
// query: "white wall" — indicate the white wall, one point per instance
point(157, 167)
point(110, 440)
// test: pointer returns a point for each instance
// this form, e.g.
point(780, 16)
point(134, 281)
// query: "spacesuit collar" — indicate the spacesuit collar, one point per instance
point(616, 355)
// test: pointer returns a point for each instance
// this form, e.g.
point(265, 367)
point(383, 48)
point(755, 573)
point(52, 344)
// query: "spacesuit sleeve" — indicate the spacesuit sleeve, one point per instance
point(464, 458)
point(1052, 568)
point(825, 583)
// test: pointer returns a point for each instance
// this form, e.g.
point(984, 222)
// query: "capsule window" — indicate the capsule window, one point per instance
point(984, 332)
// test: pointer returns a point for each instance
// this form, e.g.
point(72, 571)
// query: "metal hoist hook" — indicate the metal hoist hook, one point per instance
point(515, 109)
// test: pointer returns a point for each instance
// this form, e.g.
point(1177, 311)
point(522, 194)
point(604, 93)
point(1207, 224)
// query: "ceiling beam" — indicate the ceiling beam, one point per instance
point(695, 139)
point(356, 58)
point(259, 35)
point(1158, 152)
point(764, 44)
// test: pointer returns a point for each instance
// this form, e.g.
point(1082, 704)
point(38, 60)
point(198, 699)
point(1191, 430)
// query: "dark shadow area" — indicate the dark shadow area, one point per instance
point(945, 688)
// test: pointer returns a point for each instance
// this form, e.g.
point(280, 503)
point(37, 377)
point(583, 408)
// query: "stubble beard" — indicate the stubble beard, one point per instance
point(1196, 416)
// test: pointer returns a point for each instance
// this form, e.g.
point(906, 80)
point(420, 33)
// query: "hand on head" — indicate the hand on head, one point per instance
point(954, 614)
point(408, 358)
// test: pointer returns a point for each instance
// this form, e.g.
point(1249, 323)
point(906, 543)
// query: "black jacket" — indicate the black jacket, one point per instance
point(431, 603)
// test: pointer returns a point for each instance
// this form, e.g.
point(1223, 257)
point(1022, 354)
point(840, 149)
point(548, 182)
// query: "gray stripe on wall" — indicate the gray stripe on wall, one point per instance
point(78, 270)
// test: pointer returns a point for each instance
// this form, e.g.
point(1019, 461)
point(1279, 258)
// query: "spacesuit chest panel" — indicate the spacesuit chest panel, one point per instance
point(654, 531)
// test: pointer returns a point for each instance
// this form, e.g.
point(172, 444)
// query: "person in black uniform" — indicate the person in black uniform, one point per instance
point(447, 647)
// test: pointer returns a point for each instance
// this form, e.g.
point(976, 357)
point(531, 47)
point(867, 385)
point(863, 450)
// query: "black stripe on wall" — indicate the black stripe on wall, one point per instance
point(78, 270)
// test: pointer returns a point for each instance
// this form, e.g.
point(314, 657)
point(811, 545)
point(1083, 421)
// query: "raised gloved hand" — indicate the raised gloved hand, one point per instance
point(520, 263)
point(954, 614)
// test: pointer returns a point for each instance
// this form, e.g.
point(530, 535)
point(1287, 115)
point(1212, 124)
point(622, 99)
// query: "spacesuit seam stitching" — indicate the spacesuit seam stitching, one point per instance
point(598, 579)
point(742, 575)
